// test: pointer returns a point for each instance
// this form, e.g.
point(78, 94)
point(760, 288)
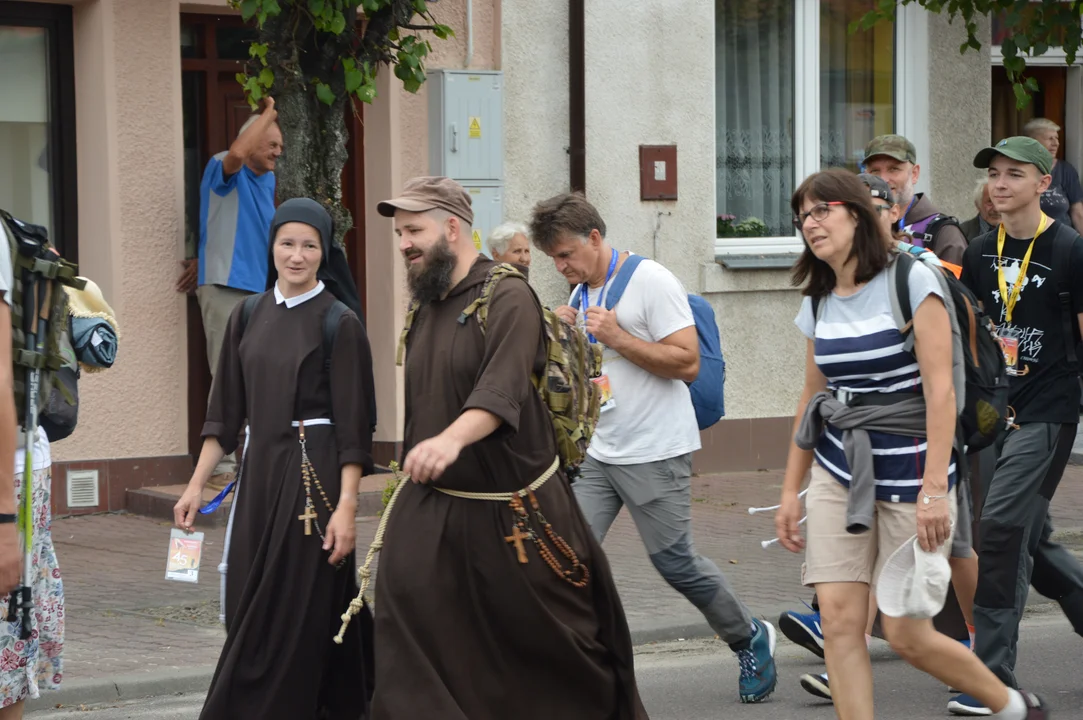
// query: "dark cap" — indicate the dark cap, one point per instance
point(1019, 148)
point(878, 187)
point(893, 146)
point(428, 193)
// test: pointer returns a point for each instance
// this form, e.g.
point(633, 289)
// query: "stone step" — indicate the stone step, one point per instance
point(157, 502)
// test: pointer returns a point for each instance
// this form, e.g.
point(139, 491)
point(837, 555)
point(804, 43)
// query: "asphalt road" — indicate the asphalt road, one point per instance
point(697, 680)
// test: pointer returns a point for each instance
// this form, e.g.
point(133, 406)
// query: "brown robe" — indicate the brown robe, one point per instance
point(463, 630)
point(283, 599)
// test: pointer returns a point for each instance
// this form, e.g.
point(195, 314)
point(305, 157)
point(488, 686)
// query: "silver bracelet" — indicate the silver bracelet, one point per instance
point(928, 498)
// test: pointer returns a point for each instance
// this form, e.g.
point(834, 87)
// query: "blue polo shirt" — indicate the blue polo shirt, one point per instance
point(234, 226)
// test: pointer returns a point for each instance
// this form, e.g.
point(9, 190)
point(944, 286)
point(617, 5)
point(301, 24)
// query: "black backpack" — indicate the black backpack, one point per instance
point(1063, 239)
point(984, 375)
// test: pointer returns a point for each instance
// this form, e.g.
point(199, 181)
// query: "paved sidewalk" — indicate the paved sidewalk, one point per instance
point(130, 631)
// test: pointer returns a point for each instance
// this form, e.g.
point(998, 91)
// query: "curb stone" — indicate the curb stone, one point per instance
point(74, 693)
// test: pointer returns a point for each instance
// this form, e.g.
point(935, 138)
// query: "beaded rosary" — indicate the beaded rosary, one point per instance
point(310, 478)
point(522, 531)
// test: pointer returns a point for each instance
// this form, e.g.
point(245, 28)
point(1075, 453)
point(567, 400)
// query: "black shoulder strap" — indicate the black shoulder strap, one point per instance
point(1063, 239)
point(247, 308)
point(330, 328)
point(902, 285)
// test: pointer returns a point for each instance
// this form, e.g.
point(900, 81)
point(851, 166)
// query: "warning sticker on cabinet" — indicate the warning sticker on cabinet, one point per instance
point(475, 127)
point(477, 240)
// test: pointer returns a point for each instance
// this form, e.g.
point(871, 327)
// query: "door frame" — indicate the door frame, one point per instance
point(56, 20)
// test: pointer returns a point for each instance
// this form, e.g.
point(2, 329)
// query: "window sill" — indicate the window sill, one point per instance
point(767, 261)
point(773, 253)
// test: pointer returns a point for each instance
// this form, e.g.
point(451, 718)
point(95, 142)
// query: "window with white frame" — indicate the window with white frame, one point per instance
point(794, 91)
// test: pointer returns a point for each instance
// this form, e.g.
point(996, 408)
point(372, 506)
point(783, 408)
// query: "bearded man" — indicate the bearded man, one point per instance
point(489, 606)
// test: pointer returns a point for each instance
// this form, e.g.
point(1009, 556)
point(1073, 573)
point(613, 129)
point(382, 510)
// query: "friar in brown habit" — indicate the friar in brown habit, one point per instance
point(476, 620)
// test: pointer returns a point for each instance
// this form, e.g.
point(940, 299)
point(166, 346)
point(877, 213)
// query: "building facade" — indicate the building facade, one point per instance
point(122, 101)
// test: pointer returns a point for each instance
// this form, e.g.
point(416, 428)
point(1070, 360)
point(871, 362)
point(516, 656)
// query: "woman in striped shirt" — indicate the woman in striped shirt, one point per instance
point(857, 354)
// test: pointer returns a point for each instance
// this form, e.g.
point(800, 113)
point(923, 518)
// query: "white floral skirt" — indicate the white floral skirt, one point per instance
point(29, 666)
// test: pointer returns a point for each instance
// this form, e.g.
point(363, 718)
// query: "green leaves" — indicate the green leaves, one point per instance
point(410, 66)
point(1035, 27)
point(306, 21)
point(324, 93)
point(248, 9)
point(338, 24)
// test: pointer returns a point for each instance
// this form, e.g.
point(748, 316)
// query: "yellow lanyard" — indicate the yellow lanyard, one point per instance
point(1011, 298)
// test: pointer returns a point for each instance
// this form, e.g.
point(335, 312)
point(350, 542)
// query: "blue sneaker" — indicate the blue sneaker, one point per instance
point(803, 630)
point(966, 705)
point(758, 675)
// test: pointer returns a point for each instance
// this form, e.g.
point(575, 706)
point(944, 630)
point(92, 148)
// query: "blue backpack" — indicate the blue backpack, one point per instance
point(708, 389)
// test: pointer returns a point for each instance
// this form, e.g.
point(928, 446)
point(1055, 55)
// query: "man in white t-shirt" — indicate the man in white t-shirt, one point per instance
point(641, 452)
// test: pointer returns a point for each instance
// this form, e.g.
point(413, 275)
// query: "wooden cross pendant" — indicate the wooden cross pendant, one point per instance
point(308, 516)
point(518, 537)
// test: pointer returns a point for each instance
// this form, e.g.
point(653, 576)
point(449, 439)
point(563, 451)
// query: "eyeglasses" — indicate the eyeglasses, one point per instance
point(819, 213)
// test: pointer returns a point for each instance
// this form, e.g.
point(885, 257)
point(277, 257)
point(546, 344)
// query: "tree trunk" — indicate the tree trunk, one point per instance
point(314, 134)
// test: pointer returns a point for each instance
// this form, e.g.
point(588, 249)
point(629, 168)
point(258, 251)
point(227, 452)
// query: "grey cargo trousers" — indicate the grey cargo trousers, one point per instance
point(1015, 548)
point(659, 499)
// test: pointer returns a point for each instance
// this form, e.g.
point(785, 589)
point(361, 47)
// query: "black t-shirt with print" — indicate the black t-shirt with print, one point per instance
point(1048, 391)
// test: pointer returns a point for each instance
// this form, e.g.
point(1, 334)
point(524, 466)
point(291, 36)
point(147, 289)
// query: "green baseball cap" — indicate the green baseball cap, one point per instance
point(893, 146)
point(1019, 148)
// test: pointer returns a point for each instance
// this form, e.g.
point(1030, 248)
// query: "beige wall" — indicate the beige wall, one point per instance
point(960, 123)
point(131, 197)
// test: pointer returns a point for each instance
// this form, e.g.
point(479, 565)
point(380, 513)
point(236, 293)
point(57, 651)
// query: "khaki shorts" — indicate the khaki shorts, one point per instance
point(834, 555)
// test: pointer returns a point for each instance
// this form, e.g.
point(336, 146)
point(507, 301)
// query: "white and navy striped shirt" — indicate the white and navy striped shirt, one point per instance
point(859, 348)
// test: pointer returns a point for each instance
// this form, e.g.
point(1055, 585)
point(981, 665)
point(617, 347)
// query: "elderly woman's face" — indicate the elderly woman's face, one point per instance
point(518, 251)
point(297, 254)
point(986, 209)
point(1049, 138)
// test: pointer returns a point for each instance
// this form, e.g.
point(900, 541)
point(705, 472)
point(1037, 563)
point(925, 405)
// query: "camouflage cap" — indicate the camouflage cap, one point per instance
point(893, 146)
point(1019, 148)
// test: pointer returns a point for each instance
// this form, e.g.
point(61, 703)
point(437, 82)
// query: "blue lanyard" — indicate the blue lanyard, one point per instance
point(584, 298)
point(902, 220)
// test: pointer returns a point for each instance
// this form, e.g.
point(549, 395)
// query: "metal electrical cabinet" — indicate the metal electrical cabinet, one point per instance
point(488, 204)
point(466, 124)
point(466, 140)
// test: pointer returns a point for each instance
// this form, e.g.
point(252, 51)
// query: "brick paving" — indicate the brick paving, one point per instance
point(114, 566)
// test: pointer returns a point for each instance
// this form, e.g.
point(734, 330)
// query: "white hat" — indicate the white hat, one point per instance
point(913, 583)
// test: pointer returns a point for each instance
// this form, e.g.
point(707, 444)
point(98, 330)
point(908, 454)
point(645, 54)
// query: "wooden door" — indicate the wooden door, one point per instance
point(1049, 102)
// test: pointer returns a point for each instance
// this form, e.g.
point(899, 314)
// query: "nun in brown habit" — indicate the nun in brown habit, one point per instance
point(291, 556)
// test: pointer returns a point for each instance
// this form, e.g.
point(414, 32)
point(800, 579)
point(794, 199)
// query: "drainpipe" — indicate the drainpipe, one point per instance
point(469, 33)
point(577, 103)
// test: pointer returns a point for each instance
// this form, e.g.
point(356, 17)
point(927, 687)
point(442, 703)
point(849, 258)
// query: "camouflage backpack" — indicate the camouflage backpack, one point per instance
point(33, 257)
point(566, 388)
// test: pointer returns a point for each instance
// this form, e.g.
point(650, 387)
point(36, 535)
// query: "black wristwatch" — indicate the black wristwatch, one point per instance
point(6, 518)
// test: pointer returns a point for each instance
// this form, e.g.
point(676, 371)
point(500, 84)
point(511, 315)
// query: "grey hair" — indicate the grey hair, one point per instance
point(979, 191)
point(503, 234)
point(1038, 125)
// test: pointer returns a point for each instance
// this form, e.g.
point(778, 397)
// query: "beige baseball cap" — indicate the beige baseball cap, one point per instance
point(428, 193)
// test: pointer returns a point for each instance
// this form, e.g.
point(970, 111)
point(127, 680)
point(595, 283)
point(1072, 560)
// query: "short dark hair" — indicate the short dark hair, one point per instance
point(570, 213)
point(871, 246)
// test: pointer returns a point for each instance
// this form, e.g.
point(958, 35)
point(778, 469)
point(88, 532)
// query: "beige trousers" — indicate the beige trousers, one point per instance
point(216, 303)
